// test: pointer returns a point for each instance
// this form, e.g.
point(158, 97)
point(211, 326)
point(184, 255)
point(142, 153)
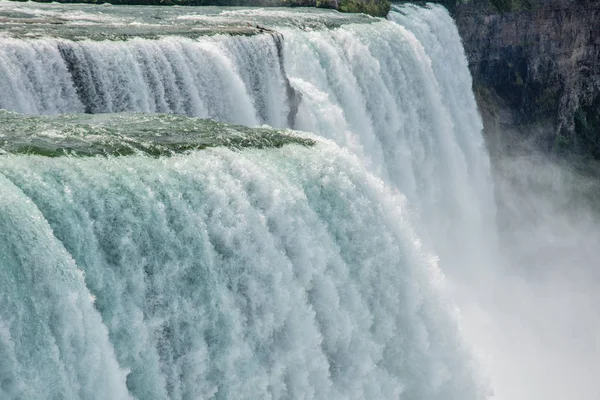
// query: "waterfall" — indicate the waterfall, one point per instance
point(204, 78)
point(275, 272)
point(398, 94)
point(302, 267)
point(386, 91)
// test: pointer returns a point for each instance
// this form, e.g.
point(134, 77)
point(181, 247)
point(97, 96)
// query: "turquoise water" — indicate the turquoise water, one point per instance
point(152, 250)
point(235, 274)
point(129, 134)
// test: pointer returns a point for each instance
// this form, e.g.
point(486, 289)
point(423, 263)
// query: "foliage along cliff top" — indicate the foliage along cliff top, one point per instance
point(376, 8)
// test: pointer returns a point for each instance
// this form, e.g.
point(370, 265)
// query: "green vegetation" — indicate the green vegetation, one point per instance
point(376, 8)
point(584, 143)
point(563, 143)
point(587, 130)
point(258, 3)
point(547, 101)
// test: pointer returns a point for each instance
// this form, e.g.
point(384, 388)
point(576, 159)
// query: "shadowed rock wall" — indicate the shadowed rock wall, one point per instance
point(536, 72)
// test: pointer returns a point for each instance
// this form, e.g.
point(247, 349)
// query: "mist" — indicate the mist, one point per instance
point(533, 318)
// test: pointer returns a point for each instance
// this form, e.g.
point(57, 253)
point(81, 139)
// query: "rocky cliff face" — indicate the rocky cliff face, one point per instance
point(536, 72)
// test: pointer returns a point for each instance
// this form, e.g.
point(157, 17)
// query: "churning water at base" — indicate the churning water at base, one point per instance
point(289, 271)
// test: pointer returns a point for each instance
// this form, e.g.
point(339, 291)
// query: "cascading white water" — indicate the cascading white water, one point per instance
point(398, 94)
point(286, 272)
point(198, 78)
point(386, 92)
point(279, 273)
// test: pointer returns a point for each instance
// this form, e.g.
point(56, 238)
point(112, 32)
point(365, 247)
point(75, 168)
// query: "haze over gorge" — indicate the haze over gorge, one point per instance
point(285, 203)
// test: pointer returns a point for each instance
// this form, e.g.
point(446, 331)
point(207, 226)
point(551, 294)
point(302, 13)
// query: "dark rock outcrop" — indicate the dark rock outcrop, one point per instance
point(536, 72)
